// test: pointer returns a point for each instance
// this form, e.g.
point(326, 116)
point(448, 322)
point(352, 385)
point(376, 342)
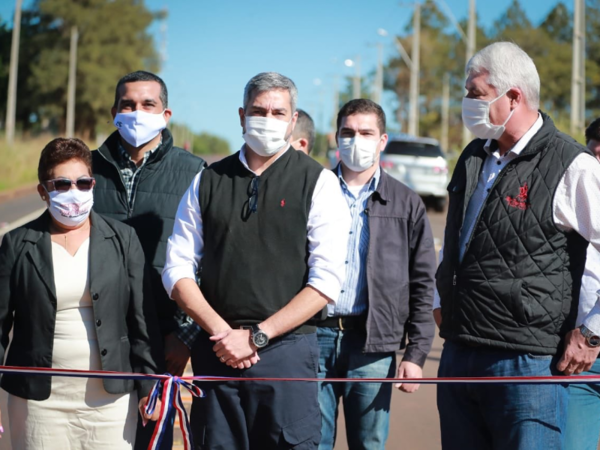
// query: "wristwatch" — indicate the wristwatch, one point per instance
point(258, 337)
point(590, 337)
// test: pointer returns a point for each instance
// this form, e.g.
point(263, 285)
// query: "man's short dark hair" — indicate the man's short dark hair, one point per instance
point(362, 106)
point(142, 75)
point(593, 131)
point(305, 128)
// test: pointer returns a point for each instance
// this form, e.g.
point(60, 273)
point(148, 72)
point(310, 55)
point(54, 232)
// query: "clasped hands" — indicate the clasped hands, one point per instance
point(235, 348)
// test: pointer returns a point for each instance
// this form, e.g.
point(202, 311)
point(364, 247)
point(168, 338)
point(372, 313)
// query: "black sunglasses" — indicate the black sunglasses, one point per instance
point(64, 184)
point(251, 205)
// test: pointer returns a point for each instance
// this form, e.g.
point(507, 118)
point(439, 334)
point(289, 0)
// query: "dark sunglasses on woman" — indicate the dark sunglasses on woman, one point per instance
point(64, 184)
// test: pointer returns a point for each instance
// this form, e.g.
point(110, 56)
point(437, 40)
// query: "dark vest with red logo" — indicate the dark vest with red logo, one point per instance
point(254, 263)
point(518, 283)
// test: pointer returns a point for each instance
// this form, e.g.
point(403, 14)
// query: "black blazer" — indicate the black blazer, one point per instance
point(123, 308)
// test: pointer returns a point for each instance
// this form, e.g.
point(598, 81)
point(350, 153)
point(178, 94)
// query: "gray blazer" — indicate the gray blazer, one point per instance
point(123, 308)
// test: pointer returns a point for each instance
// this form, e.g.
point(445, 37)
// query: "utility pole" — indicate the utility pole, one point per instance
point(11, 104)
point(72, 83)
point(356, 84)
point(413, 117)
point(471, 36)
point(336, 103)
point(578, 69)
point(378, 91)
point(445, 111)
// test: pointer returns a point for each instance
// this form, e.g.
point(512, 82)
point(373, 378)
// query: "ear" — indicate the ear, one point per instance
point(515, 96)
point(242, 119)
point(168, 113)
point(382, 143)
point(113, 112)
point(43, 194)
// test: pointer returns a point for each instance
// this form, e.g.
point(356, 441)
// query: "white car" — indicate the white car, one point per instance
point(419, 163)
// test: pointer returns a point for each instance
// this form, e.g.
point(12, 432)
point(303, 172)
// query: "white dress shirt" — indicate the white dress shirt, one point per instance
point(576, 207)
point(327, 230)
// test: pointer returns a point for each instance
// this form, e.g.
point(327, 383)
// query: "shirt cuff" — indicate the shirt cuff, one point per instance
point(188, 332)
point(326, 283)
point(437, 301)
point(171, 276)
point(592, 321)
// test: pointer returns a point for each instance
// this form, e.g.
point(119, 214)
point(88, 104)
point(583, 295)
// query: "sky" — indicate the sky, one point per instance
point(214, 47)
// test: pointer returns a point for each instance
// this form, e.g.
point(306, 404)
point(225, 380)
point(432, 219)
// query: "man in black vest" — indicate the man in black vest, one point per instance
point(387, 295)
point(140, 178)
point(519, 221)
point(267, 227)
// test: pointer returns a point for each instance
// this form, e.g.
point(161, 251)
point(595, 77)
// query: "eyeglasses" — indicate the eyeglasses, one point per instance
point(251, 205)
point(64, 184)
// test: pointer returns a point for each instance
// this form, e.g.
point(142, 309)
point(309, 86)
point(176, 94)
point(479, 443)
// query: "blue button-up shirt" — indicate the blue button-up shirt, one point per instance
point(353, 299)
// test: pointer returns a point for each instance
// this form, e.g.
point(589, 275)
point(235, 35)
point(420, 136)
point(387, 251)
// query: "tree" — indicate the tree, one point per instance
point(113, 41)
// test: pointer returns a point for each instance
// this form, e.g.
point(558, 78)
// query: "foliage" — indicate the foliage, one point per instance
point(442, 51)
point(113, 41)
point(199, 144)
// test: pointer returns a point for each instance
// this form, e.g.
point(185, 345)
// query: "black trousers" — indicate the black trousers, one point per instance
point(249, 415)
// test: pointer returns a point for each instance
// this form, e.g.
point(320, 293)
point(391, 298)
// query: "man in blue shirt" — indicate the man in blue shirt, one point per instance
point(388, 293)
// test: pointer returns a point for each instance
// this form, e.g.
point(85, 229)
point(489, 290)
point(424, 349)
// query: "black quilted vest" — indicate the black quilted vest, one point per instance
point(515, 286)
point(162, 182)
point(254, 263)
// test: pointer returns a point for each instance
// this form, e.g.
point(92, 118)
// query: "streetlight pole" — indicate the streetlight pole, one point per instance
point(578, 69)
point(413, 117)
point(72, 83)
point(356, 85)
point(471, 36)
point(11, 103)
point(445, 111)
point(378, 91)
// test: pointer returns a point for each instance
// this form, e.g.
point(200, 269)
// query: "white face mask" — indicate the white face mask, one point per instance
point(71, 207)
point(139, 127)
point(476, 117)
point(357, 153)
point(264, 135)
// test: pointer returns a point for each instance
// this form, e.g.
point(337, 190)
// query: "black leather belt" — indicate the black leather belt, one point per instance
point(356, 323)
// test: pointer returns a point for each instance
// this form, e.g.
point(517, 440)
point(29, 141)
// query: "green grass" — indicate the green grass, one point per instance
point(18, 163)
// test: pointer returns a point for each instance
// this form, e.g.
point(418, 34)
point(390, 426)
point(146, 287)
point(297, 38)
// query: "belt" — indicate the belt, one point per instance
point(356, 323)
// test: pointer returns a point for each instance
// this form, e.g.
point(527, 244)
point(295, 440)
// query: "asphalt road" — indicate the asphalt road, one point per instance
point(414, 421)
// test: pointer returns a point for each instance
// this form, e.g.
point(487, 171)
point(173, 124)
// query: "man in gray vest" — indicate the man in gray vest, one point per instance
point(523, 208)
point(267, 228)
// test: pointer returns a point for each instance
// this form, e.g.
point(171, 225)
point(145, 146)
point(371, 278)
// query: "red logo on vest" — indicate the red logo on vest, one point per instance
point(282, 203)
point(520, 201)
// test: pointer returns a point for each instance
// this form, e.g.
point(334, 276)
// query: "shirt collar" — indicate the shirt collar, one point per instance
point(373, 183)
point(244, 161)
point(491, 145)
point(125, 156)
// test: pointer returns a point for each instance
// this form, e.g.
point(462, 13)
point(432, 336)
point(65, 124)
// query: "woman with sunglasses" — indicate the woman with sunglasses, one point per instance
point(72, 289)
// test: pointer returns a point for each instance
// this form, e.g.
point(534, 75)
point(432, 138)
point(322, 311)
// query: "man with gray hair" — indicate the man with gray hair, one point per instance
point(267, 227)
point(303, 137)
point(524, 204)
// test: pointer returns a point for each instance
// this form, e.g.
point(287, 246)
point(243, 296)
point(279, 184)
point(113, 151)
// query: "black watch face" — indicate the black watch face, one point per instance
point(260, 339)
point(594, 341)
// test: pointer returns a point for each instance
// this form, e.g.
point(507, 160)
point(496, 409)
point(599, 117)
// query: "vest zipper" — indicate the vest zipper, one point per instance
point(129, 209)
point(455, 277)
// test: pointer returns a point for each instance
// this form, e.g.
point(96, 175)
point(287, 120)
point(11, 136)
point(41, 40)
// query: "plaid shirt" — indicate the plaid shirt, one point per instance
point(188, 330)
point(130, 170)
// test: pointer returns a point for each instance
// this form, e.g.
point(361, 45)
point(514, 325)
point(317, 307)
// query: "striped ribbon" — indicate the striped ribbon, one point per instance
point(171, 400)
point(167, 388)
